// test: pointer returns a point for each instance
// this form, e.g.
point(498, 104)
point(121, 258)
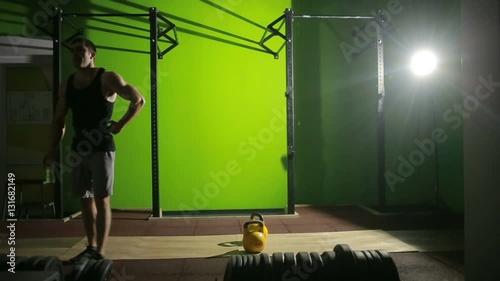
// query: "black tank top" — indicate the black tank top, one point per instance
point(91, 116)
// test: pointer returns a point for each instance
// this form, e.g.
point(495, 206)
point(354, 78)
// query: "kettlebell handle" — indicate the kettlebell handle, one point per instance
point(259, 215)
point(259, 222)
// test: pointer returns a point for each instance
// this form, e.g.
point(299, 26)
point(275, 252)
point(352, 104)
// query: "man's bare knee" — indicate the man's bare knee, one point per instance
point(87, 203)
point(102, 203)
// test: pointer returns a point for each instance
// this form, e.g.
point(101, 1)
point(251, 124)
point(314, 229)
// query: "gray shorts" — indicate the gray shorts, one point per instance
point(94, 176)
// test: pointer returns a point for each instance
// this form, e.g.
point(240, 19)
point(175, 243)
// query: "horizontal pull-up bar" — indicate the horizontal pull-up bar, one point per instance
point(105, 15)
point(331, 17)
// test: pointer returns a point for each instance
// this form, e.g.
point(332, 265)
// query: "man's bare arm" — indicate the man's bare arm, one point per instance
point(115, 83)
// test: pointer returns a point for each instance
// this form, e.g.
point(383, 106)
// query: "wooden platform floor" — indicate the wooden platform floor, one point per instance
point(186, 248)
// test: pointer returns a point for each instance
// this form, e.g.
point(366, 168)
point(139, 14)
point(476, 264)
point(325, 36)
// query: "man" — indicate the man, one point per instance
point(90, 93)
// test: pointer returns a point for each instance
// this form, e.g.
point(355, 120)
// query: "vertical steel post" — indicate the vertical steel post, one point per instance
point(290, 111)
point(153, 35)
point(381, 120)
point(56, 64)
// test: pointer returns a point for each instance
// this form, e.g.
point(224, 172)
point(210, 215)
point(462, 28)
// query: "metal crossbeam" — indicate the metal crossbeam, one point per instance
point(331, 17)
point(105, 15)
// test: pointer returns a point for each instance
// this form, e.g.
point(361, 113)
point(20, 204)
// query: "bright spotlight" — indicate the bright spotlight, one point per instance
point(423, 63)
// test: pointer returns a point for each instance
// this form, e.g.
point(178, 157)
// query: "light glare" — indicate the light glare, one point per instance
point(423, 63)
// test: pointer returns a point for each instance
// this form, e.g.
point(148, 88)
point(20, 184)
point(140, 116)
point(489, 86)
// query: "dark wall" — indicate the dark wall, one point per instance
point(336, 104)
point(481, 138)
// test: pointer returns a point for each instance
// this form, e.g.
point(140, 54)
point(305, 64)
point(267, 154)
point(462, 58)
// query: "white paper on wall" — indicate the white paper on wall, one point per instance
point(29, 107)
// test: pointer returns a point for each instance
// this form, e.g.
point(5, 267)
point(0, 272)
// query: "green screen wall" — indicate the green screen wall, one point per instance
point(221, 105)
point(222, 134)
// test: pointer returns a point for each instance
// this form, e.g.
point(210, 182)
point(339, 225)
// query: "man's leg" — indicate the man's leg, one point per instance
point(103, 222)
point(89, 220)
point(81, 188)
point(103, 171)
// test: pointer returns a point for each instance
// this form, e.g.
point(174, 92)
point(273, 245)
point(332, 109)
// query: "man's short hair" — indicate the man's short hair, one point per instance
point(86, 42)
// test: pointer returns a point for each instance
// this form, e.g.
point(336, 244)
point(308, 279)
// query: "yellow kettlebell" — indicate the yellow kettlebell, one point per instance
point(254, 241)
point(258, 216)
